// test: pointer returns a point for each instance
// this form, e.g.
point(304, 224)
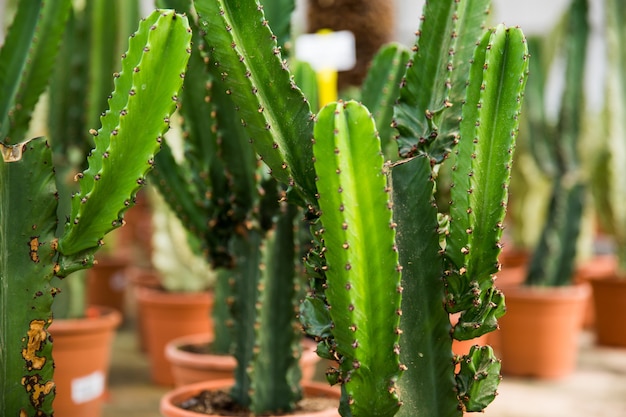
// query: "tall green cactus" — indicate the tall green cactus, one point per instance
point(369, 286)
point(32, 251)
point(90, 52)
point(556, 150)
point(226, 198)
point(609, 183)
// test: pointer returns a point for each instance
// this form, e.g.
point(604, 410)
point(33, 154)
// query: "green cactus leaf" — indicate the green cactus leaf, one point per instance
point(381, 89)
point(482, 166)
point(247, 59)
point(27, 259)
point(478, 379)
point(145, 97)
point(305, 77)
point(363, 285)
point(26, 61)
point(315, 317)
point(426, 91)
point(279, 13)
point(246, 277)
point(427, 385)
point(275, 370)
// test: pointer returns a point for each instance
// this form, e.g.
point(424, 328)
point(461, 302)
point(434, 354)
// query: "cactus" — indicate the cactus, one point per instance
point(90, 52)
point(556, 151)
point(609, 185)
point(34, 251)
point(380, 304)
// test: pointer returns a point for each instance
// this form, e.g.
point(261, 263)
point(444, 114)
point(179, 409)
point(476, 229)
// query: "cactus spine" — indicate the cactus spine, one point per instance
point(29, 220)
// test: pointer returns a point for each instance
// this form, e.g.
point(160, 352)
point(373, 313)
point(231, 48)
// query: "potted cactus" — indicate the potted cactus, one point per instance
point(386, 269)
point(609, 187)
point(181, 301)
point(539, 334)
point(34, 250)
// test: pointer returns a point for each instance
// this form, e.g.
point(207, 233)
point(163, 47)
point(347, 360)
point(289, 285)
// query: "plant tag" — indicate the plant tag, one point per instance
point(88, 387)
point(327, 50)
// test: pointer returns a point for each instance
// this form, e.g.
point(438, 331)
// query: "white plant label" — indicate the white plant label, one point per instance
point(88, 387)
point(327, 51)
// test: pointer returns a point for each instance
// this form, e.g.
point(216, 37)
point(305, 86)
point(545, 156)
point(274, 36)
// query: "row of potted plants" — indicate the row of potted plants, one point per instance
point(382, 317)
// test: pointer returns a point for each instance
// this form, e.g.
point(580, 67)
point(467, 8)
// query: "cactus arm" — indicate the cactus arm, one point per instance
point(417, 104)
point(482, 173)
point(616, 114)
point(381, 88)
point(305, 77)
point(478, 379)
point(363, 284)
point(131, 135)
point(278, 13)
point(553, 259)
point(246, 276)
point(427, 385)
point(245, 55)
point(275, 370)
point(26, 62)
point(471, 18)
point(103, 25)
point(27, 236)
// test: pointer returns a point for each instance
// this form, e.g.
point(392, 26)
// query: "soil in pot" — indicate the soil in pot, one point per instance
point(539, 332)
point(211, 398)
point(81, 352)
point(192, 361)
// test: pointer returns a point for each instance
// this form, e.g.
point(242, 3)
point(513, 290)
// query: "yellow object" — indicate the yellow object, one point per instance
point(327, 86)
point(326, 80)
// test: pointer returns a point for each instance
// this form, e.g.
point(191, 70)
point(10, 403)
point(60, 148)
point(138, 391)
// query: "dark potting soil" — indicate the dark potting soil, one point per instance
point(221, 403)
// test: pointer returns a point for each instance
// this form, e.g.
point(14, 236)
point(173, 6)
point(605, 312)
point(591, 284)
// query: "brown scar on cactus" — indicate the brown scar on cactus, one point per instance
point(37, 390)
point(34, 244)
point(37, 335)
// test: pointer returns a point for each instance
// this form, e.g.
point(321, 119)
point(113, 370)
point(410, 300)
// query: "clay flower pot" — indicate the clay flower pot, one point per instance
point(81, 352)
point(188, 367)
point(609, 295)
point(167, 316)
point(106, 283)
point(597, 268)
point(169, 401)
point(539, 332)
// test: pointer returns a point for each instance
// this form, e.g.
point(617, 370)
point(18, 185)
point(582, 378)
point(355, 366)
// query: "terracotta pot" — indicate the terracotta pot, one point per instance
point(106, 283)
point(167, 316)
point(81, 352)
point(598, 267)
point(311, 389)
point(134, 240)
point(609, 296)
point(141, 278)
point(509, 276)
point(539, 332)
point(188, 368)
